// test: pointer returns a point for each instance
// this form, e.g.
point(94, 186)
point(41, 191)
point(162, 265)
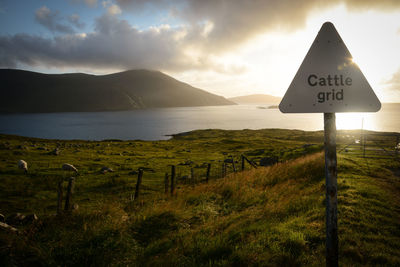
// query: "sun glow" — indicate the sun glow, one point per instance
point(351, 121)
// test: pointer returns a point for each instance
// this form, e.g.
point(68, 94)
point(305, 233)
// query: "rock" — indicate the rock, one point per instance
point(2, 218)
point(268, 161)
point(55, 152)
point(15, 219)
point(6, 227)
point(228, 160)
point(106, 169)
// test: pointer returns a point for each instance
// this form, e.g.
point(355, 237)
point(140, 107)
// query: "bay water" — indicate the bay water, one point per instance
point(159, 123)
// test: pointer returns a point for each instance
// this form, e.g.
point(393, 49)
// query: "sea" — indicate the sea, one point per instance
point(161, 123)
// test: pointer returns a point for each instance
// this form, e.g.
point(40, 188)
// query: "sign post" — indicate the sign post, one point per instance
point(332, 241)
point(329, 81)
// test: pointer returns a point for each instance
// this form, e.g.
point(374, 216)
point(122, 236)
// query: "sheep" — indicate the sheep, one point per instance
point(23, 165)
point(69, 167)
point(106, 169)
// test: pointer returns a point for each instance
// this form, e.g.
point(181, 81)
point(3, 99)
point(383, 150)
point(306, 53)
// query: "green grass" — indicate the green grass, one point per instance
point(262, 217)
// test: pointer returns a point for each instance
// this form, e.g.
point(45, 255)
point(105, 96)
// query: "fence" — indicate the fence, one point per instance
point(374, 145)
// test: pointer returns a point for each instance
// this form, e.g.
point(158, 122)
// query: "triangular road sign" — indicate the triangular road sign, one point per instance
point(328, 80)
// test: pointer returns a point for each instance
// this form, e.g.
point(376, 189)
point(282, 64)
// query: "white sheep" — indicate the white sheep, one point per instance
point(23, 165)
point(69, 167)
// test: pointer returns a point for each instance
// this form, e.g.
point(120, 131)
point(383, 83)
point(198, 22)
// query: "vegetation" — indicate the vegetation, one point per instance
point(25, 91)
point(266, 216)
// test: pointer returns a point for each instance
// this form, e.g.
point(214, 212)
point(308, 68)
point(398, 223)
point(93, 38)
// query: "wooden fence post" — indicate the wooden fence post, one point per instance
point(242, 157)
point(331, 190)
point(224, 169)
point(208, 172)
point(166, 183)
point(233, 164)
point(172, 180)
point(138, 183)
point(59, 196)
point(251, 163)
point(70, 191)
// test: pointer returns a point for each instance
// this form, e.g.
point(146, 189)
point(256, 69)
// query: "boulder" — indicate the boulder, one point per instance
point(268, 161)
point(55, 152)
point(228, 160)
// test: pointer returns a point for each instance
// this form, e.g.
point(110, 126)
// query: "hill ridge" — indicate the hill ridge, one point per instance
point(28, 91)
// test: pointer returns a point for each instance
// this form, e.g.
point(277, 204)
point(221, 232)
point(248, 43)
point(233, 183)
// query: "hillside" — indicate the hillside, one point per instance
point(269, 216)
point(256, 99)
point(24, 91)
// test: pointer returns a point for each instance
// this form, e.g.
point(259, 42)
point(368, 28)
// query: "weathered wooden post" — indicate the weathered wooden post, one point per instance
point(332, 244)
point(59, 196)
point(208, 172)
point(70, 191)
point(172, 180)
point(329, 81)
point(166, 183)
point(224, 169)
point(233, 164)
point(242, 158)
point(250, 162)
point(138, 184)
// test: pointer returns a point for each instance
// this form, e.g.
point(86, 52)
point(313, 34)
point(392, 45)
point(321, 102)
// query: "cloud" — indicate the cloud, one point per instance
point(114, 43)
point(236, 21)
point(208, 29)
point(75, 20)
point(91, 3)
point(49, 20)
point(113, 10)
point(394, 82)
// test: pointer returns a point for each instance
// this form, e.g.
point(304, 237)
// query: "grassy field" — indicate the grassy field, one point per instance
point(262, 217)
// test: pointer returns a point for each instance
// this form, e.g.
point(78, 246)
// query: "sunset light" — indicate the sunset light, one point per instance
point(199, 133)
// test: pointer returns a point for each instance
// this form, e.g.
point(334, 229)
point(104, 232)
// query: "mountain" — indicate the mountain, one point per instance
point(256, 99)
point(25, 91)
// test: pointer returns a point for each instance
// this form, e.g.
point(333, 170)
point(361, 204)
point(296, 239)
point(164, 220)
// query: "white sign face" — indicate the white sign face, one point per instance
point(328, 80)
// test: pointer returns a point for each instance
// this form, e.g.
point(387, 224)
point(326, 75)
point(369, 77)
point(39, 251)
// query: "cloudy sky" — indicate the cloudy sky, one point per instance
point(228, 47)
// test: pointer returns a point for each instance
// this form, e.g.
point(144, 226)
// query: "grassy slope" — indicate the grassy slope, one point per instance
point(269, 216)
point(78, 92)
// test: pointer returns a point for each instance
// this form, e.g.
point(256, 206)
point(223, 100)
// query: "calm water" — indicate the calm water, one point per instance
point(156, 124)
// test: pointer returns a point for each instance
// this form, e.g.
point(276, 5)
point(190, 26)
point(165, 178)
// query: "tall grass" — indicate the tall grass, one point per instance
point(260, 217)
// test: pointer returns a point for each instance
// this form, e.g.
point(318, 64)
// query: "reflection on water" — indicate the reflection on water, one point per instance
point(155, 124)
point(387, 119)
